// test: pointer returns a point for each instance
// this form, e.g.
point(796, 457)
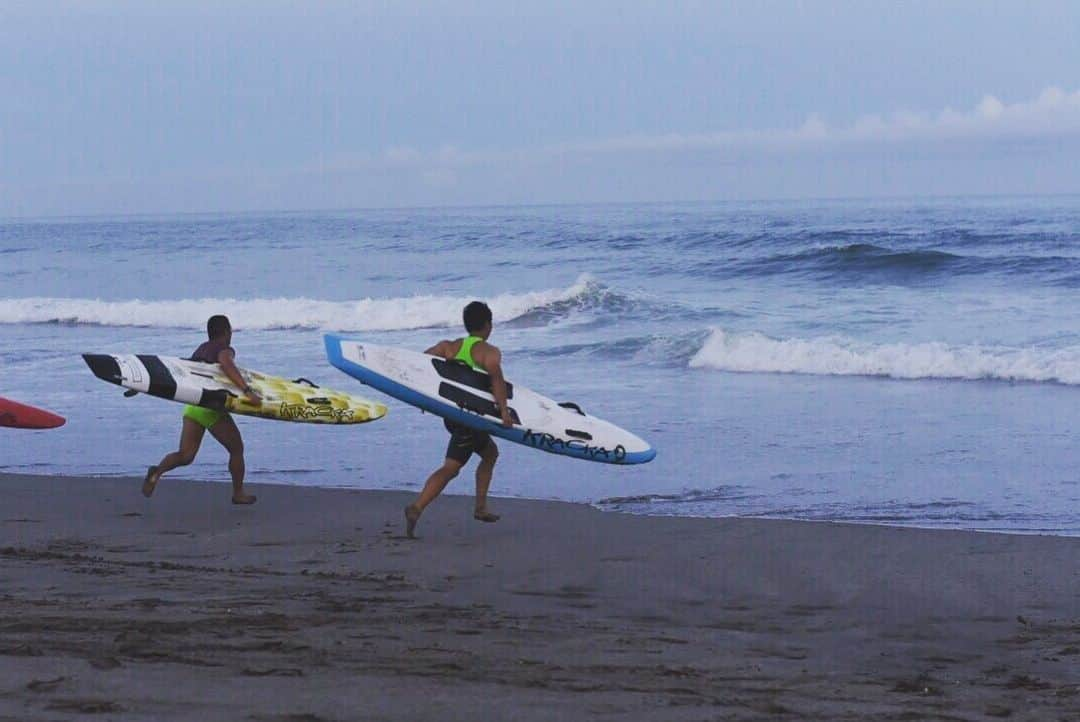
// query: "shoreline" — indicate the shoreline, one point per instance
point(312, 605)
point(597, 505)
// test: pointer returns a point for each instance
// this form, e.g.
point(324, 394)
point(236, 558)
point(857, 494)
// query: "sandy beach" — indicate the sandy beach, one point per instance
point(311, 605)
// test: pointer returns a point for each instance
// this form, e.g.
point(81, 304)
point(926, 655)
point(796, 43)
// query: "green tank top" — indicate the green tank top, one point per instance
point(465, 352)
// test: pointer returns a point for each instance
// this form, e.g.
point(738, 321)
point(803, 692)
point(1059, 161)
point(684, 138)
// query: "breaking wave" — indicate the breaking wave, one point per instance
point(838, 356)
point(367, 314)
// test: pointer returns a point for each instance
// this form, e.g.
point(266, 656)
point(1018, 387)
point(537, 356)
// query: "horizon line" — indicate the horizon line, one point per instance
point(551, 204)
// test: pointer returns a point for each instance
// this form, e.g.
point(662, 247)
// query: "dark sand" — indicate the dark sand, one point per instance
point(311, 605)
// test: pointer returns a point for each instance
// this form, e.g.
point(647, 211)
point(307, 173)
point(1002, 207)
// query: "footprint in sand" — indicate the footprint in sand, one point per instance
point(44, 685)
point(85, 706)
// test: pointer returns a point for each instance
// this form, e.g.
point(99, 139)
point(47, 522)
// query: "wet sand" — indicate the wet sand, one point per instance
point(311, 605)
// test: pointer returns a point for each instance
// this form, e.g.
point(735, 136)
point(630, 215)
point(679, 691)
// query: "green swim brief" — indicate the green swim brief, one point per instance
point(203, 417)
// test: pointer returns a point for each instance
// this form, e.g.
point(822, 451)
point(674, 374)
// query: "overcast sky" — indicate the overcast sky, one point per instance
point(129, 107)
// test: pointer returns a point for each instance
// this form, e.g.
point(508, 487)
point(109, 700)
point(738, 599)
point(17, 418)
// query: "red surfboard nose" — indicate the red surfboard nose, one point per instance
point(20, 416)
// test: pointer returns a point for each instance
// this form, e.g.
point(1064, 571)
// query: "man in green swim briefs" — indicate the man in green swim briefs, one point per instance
point(197, 420)
point(475, 351)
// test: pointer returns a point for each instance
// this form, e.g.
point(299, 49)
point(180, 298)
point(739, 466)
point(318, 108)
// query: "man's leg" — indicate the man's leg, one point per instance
point(191, 436)
point(228, 435)
point(488, 456)
point(432, 488)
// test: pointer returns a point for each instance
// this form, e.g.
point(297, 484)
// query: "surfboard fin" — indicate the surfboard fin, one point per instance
point(130, 392)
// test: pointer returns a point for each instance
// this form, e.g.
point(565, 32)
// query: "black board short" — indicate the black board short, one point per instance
point(464, 442)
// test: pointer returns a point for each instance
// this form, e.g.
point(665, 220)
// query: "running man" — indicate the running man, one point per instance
point(199, 420)
point(475, 351)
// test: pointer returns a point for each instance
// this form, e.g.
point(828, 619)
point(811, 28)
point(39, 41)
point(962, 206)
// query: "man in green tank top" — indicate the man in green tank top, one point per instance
point(475, 351)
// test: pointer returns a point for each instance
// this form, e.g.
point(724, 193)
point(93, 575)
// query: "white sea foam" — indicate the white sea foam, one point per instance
point(837, 356)
point(366, 314)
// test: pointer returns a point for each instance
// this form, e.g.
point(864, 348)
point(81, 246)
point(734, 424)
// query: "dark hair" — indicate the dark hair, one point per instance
point(218, 326)
point(476, 315)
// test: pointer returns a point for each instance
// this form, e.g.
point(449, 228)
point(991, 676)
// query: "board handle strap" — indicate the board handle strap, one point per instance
point(572, 406)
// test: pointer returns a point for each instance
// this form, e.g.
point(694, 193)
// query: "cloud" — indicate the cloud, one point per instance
point(1053, 113)
point(944, 152)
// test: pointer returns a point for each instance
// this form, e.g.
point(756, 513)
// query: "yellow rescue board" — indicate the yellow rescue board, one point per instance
point(206, 385)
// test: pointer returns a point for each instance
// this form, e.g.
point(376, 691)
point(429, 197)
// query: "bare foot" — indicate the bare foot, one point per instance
point(150, 481)
point(485, 515)
point(412, 515)
point(243, 499)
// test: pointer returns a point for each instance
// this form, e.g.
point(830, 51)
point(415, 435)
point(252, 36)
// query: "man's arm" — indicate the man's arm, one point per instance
point(438, 349)
point(225, 358)
point(492, 363)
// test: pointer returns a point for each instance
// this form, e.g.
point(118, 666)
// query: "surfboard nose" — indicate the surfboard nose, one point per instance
point(104, 367)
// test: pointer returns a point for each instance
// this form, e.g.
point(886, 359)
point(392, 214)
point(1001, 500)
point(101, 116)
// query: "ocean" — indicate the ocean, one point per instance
point(912, 362)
